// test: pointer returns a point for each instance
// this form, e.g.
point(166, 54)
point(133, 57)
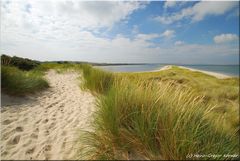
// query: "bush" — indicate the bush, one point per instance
point(21, 63)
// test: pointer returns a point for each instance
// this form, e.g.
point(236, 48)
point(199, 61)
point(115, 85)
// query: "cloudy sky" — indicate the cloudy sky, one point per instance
point(122, 31)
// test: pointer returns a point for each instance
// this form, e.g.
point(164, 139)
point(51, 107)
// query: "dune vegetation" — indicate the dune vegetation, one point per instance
point(17, 82)
point(21, 63)
point(20, 76)
point(162, 115)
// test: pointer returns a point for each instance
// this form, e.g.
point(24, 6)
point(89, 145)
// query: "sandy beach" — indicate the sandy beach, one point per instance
point(46, 125)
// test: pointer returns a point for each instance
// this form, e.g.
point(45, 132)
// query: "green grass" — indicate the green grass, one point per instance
point(17, 82)
point(223, 94)
point(162, 115)
point(96, 80)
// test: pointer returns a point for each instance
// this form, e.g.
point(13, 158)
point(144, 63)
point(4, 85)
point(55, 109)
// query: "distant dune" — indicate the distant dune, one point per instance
point(217, 75)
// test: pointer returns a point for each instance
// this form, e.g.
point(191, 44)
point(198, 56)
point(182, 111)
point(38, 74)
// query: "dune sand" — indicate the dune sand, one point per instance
point(46, 125)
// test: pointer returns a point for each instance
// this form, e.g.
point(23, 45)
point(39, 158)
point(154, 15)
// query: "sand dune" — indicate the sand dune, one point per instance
point(45, 125)
point(215, 74)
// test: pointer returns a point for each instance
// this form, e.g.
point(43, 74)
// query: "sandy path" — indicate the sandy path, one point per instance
point(45, 126)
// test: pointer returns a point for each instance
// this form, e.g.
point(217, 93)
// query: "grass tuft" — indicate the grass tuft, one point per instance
point(17, 82)
point(95, 79)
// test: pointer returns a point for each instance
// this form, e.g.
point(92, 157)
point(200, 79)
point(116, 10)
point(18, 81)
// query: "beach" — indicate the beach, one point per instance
point(45, 126)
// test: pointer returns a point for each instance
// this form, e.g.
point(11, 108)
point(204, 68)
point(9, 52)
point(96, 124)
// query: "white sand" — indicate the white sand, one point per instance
point(46, 125)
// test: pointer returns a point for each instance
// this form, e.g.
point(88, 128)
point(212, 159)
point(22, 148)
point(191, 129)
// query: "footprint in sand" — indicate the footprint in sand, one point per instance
point(47, 148)
point(46, 133)
point(30, 150)
point(49, 106)
point(4, 153)
point(45, 121)
point(19, 129)
point(6, 122)
point(14, 140)
point(52, 125)
point(38, 121)
point(34, 136)
point(37, 129)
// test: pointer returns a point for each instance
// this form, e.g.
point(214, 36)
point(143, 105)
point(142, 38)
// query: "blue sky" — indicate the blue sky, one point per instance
point(205, 32)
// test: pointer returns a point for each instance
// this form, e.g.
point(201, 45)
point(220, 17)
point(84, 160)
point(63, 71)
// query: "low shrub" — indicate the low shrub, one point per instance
point(21, 63)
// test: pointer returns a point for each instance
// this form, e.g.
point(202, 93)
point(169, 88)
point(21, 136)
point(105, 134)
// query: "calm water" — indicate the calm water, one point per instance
point(132, 68)
point(232, 70)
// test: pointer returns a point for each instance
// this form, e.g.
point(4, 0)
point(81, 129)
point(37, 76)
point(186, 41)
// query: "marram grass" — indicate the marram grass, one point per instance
point(96, 80)
point(142, 119)
point(17, 82)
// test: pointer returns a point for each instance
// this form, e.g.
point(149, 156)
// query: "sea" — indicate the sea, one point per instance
point(231, 70)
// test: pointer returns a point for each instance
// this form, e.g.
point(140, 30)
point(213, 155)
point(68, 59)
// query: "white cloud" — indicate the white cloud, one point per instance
point(120, 49)
point(169, 4)
point(59, 26)
point(172, 4)
point(82, 14)
point(179, 43)
point(147, 36)
point(225, 38)
point(199, 11)
point(168, 34)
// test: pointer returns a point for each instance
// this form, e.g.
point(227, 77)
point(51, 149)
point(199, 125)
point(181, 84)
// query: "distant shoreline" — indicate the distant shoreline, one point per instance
point(119, 64)
point(168, 66)
point(212, 73)
point(215, 74)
